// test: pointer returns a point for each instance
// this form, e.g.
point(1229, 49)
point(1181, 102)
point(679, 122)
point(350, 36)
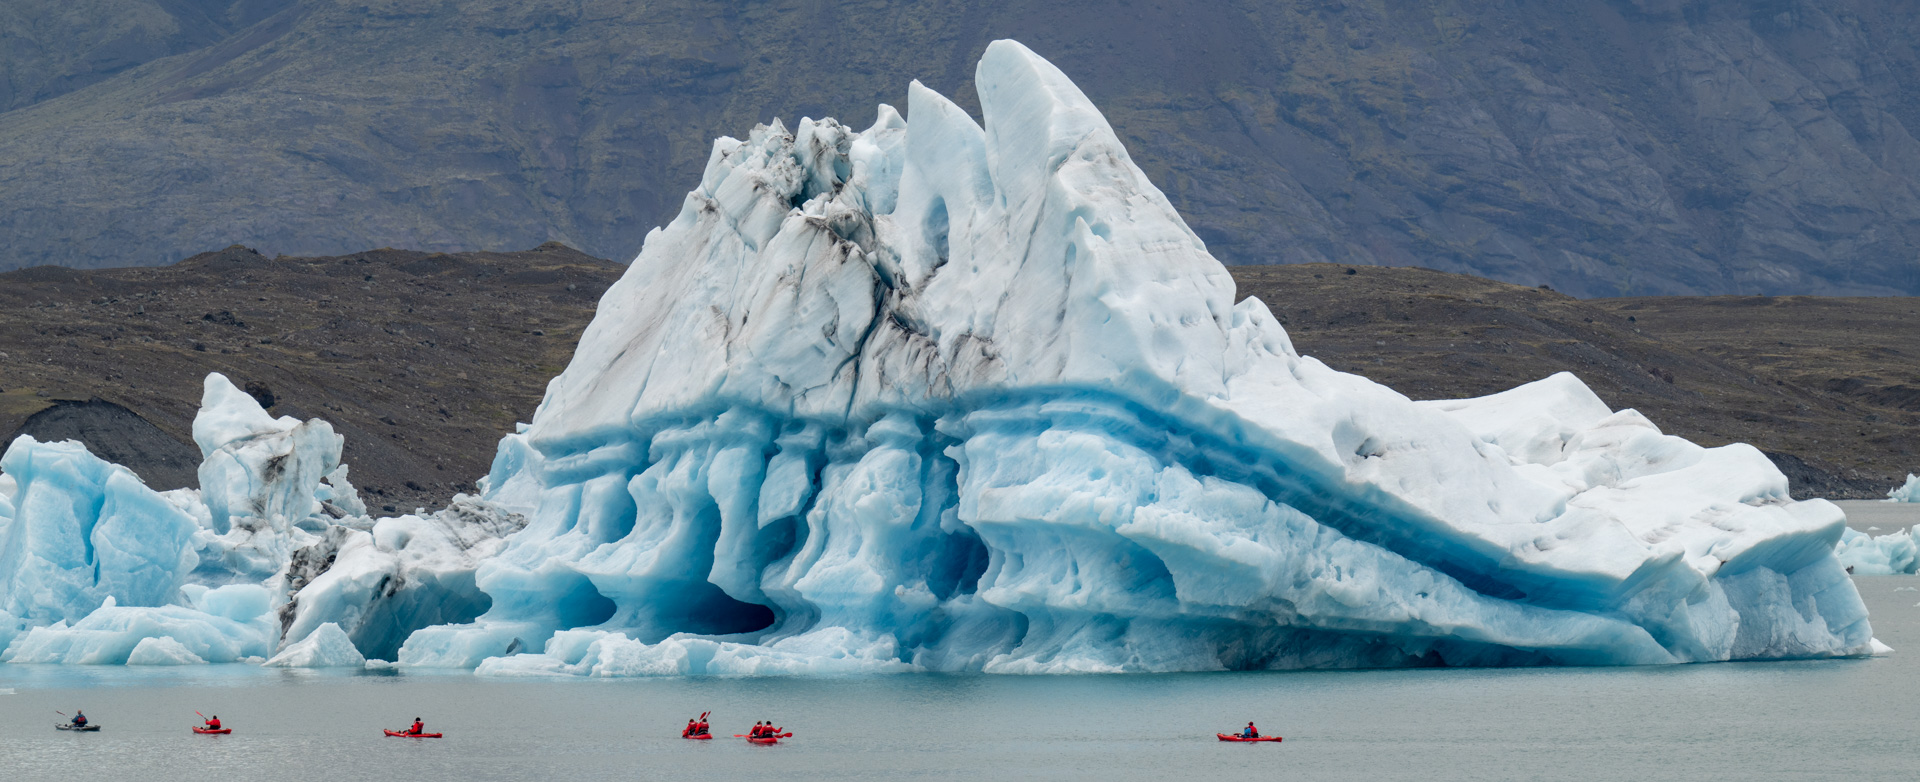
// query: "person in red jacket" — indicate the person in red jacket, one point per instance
point(700, 728)
point(690, 730)
point(1251, 732)
point(418, 727)
point(213, 723)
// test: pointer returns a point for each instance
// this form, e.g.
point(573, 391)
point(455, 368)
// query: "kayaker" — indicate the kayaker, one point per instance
point(418, 727)
point(1251, 732)
point(700, 728)
point(755, 733)
point(79, 719)
point(692, 729)
point(213, 723)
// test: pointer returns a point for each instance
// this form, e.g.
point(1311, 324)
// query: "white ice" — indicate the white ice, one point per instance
point(1906, 492)
point(1896, 553)
point(955, 396)
point(326, 647)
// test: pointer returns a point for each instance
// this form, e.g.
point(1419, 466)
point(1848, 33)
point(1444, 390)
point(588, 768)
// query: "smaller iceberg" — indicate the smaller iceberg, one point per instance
point(273, 551)
point(224, 625)
point(1880, 555)
point(1906, 492)
point(326, 647)
point(163, 650)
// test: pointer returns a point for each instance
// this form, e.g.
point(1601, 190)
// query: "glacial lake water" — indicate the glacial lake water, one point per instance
point(1802, 720)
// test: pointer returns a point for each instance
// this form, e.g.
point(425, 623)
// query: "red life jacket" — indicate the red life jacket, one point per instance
point(213, 724)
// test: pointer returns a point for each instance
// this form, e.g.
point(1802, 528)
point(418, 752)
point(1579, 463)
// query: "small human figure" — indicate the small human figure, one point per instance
point(755, 732)
point(700, 728)
point(1251, 732)
point(418, 727)
point(213, 722)
point(691, 729)
point(79, 718)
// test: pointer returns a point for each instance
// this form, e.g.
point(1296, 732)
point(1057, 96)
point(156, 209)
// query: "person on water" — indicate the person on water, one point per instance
point(692, 728)
point(418, 727)
point(1251, 732)
point(213, 722)
point(700, 728)
point(755, 732)
point(79, 719)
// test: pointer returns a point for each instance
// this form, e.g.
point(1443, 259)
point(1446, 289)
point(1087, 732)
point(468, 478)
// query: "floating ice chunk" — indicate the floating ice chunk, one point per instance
point(1884, 555)
point(326, 647)
point(1880, 649)
point(236, 625)
point(1906, 492)
point(162, 650)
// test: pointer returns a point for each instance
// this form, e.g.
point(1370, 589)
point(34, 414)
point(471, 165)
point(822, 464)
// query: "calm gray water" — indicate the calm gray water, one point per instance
point(1842, 719)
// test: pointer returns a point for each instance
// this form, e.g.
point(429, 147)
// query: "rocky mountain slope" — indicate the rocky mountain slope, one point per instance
point(1632, 147)
point(422, 360)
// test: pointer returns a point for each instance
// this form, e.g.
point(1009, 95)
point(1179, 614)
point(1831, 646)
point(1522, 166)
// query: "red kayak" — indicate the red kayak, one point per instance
point(406, 735)
point(1226, 737)
point(220, 732)
point(700, 737)
point(764, 739)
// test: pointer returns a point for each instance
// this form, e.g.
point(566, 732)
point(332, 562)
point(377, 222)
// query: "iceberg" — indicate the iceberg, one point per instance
point(273, 551)
point(1906, 492)
point(326, 647)
point(956, 396)
point(227, 624)
point(940, 395)
point(1892, 554)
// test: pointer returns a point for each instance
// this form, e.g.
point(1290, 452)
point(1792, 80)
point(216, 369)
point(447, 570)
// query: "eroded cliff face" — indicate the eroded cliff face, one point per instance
point(1613, 148)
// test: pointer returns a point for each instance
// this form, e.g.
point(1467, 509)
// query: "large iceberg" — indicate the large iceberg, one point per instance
point(957, 396)
point(943, 396)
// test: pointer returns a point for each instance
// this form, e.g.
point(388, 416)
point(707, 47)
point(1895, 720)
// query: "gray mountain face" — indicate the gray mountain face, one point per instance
point(1604, 148)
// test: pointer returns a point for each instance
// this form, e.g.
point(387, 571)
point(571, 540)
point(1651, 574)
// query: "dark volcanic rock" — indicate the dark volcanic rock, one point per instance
point(118, 435)
point(1606, 148)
